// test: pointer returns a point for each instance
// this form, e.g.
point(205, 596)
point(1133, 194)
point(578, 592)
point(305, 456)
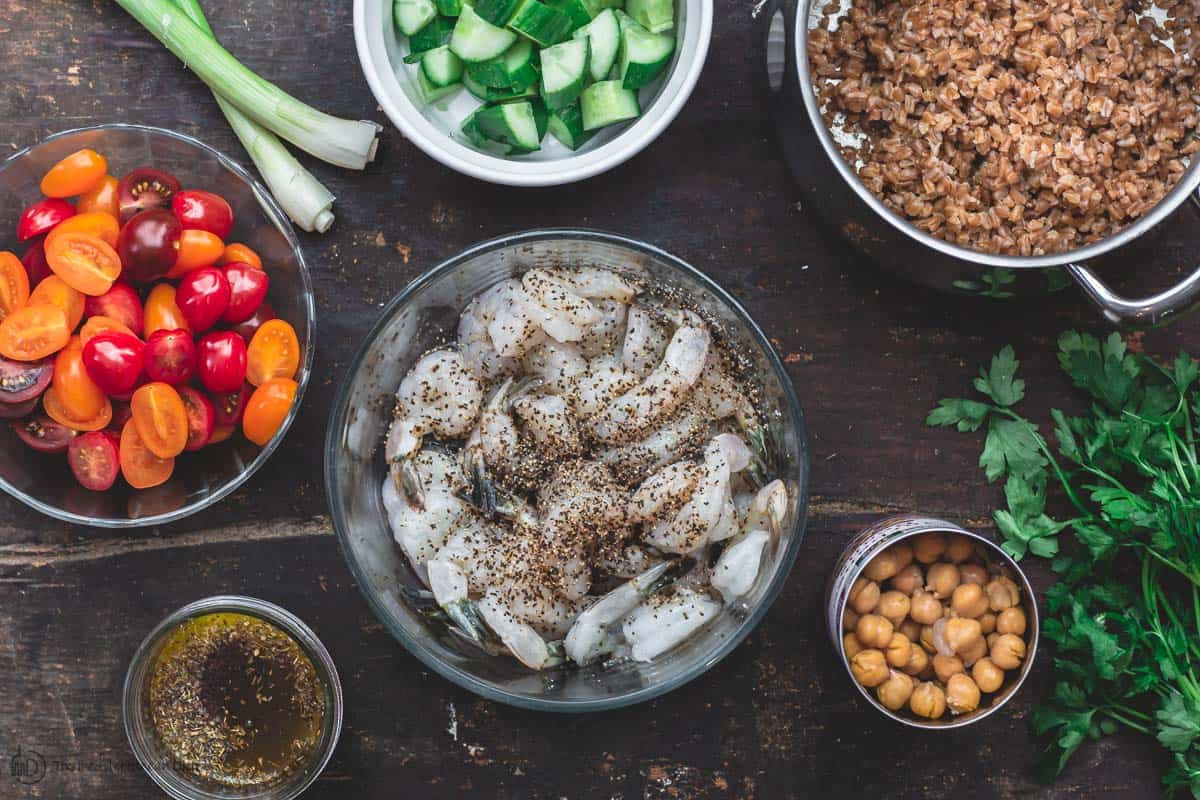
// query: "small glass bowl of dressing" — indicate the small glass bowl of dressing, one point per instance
point(238, 652)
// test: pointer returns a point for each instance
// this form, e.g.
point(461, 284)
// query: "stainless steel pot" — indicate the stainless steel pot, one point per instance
point(832, 188)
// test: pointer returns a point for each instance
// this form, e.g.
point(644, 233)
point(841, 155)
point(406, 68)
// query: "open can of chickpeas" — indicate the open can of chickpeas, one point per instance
point(937, 626)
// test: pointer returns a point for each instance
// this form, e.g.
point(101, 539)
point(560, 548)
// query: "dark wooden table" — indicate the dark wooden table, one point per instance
point(869, 355)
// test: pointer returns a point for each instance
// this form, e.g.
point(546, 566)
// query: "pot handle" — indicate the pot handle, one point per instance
point(1142, 312)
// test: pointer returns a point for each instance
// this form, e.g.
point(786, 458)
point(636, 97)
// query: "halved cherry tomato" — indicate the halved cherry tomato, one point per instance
point(34, 332)
point(141, 468)
point(145, 189)
point(86, 263)
point(221, 433)
point(101, 197)
point(14, 284)
point(21, 381)
point(267, 409)
point(161, 312)
point(202, 417)
point(55, 291)
point(230, 406)
point(149, 245)
point(94, 460)
point(18, 410)
point(42, 216)
point(274, 352)
point(161, 419)
point(53, 407)
point(240, 253)
point(170, 356)
point(196, 249)
point(44, 434)
point(203, 211)
point(120, 303)
point(247, 290)
point(202, 297)
point(75, 174)
point(81, 398)
point(114, 360)
point(94, 223)
point(221, 361)
point(35, 263)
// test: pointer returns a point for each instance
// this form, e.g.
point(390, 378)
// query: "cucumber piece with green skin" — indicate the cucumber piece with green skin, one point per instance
point(575, 10)
point(449, 8)
point(604, 35)
point(511, 123)
point(655, 16)
point(430, 94)
point(541, 23)
point(564, 72)
point(412, 15)
point(566, 125)
point(541, 116)
point(470, 130)
point(515, 68)
point(497, 12)
point(606, 103)
point(492, 94)
point(643, 55)
point(475, 39)
point(435, 34)
point(441, 67)
point(594, 7)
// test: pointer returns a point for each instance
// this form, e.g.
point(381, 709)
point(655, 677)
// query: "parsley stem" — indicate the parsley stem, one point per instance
point(1045, 449)
point(1108, 712)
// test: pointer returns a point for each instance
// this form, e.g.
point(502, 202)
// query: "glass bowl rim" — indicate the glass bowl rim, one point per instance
point(275, 216)
point(791, 409)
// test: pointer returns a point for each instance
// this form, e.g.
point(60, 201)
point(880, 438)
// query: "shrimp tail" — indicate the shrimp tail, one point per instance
point(760, 456)
point(481, 491)
point(408, 481)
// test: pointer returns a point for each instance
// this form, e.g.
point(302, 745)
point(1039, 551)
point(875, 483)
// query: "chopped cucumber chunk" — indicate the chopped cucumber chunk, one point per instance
point(449, 8)
point(655, 16)
point(564, 72)
point(476, 39)
point(430, 94)
point(412, 15)
point(511, 123)
point(441, 67)
point(575, 10)
point(541, 116)
point(643, 55)
point(594, 7)
point(540, 22)
point(513, 69)
point(566, 125)
point(492, 94)
point(470, 130)
point(606, 103)
point(435, 34)
point(497, 12)
point(604, 34)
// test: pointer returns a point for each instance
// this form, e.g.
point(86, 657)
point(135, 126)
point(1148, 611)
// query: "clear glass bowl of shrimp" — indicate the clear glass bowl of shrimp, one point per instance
point(424, 317)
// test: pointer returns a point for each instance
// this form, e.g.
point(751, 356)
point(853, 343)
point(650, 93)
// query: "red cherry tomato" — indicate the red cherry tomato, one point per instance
point(43, 434)
point(221, 361)
point(149, 245)
point(230, 406)
point(42, 216)
point(170, 357)
point(202, 296)
point(202, 417)
point(21, 381)
point(94, 460)
point(203, 211)
point(144, 189)
point(247, 329)
point(247, 290)
point(114, 361)
point(18, 410)
point(120, 303)
point(36, 265)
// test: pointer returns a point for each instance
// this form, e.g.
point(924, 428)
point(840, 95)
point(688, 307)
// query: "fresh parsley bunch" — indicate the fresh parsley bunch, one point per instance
point(1125, 614)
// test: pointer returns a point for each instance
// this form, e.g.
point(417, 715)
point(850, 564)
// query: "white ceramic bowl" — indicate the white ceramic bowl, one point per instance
point(434, 128)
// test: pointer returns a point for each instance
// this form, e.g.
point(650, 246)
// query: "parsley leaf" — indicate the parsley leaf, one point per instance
point(1000, 382)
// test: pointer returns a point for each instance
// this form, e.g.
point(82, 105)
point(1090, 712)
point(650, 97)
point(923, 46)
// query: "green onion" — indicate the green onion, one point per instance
point(302, 196)
point(343, 142)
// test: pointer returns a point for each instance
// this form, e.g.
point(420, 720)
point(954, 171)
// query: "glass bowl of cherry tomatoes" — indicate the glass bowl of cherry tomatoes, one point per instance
point(156, 322)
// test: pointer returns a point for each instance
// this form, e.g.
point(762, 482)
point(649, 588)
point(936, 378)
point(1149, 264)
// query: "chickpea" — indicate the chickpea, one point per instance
point(893, 605)
point(908, 580)
point(988, 677)
point(928, 700)
point(911, 630)
point(988, 623)
point(925, 608)
point(849, 619)
point(898, 651)
point(903, 552)
point(959, 548)
point(1002, 593)
point(869, 668)
point(874, 631)
point(1008, 651)
point(960, 633)
point(918, 661)
point(942, 579)
point(883, 566)
point(1011, 620)
point(973, 573)
point(962, 695)
point(927, 639)
point(991, 639)
point(895, 691)
point(968, 600)
point(928, 547)
point(864, 596)
point(973, 653)
point(945, 666)
point(851, 645)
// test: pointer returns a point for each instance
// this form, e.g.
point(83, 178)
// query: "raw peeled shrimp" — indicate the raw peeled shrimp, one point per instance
point(737, 569)
point(475, 337)
point(597, 630)
point(558, 364)
point(521, 639)
point(438, 396)
point(659, 623)
point(604, 336)
point(550, 423)
point(662, 446)
point(645, 341)
point(599, 284)
point(513, 326)
point(604, 380)
point(552, 302)
point(421, 529)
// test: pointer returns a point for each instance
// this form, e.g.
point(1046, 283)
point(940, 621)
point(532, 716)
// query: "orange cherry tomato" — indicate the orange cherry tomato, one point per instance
point(196, 249)
point(240, 252)
point(141, 468)
point(102, 197)
point(274, 352)
point(77, 173)
point(161, 313)
point(55, 291)
point(267, 409)
point(87, 263)
point(14, 284)
point(101, 324)
point(34, 332)
point(95, 223)
point(161, 419)
point(81, 398)
point(53, 406)
point(220, 433)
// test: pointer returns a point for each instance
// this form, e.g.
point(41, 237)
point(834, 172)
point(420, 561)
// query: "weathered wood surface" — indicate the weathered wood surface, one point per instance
point(869, 355)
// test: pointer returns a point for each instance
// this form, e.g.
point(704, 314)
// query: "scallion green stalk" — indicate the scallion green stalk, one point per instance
point(343, 142)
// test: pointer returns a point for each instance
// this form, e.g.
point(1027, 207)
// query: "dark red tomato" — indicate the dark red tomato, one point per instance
point(144, 189)
point(231, 406)
point(114, 360)
point(94, 460)
point(202, 417)
point(170, 356)
point(247, 290)
point(202, 297)
point(148, 245)
point(121, 303)
point(24, 380)
point(42, 216)
point(122, 413)
point(221, 361)
point(248, 328)
point(43, 434)
point(125, 397)
point(18, 410)
point(35, 263)
point(203, 211)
